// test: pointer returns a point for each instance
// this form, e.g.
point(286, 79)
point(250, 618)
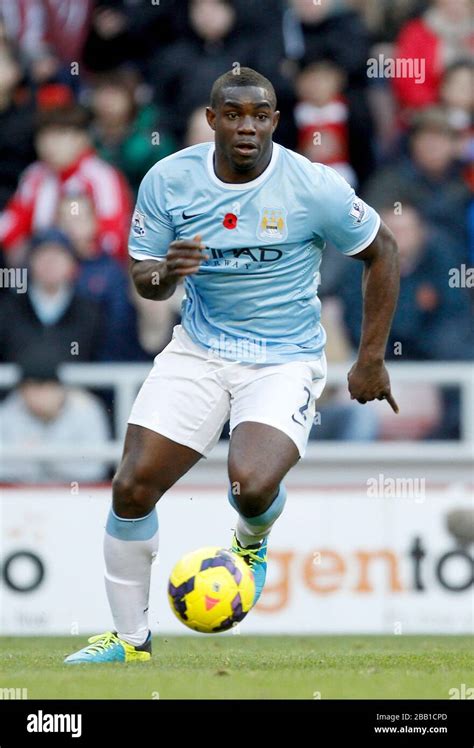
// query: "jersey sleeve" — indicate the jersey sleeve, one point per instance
point(151, 231)
point(348, 222)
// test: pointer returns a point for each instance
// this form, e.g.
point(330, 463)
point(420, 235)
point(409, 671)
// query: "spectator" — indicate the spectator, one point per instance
point(185, 72)
point(44, 29)
point(127, 135)
point(441, 36)
point(457, 97)
point(432, 320)
point(321, 117)
point(67, 162)
point(325, 30)
point(430, 177)
point(16, 130)
point(102, 279)
point(51, 316)
point(41, 411)
point(457, 93)
point(124, 33)
point(272, 58)
point(334, 31)
point(385, 18)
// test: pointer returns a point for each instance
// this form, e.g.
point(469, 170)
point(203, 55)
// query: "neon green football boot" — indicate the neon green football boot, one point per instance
point(109, 647)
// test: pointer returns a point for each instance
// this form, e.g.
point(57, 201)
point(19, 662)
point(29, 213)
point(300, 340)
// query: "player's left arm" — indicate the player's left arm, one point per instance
point(368, 379)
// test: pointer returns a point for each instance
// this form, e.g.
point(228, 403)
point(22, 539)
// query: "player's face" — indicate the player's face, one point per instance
point(244, 123)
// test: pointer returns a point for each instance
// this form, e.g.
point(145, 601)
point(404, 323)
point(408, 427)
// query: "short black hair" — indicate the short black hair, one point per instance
point(241, 77)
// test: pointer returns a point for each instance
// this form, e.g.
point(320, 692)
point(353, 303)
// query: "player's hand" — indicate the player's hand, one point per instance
point(370, 381)
point(184, 257)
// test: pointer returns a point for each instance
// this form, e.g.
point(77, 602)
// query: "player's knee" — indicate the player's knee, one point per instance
point(253, 493)
point(135, 493)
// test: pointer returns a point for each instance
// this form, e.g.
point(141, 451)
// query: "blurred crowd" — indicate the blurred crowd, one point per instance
point(92, 94)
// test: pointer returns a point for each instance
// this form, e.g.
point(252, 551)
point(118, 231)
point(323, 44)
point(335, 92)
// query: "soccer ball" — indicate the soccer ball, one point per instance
point(211, 589)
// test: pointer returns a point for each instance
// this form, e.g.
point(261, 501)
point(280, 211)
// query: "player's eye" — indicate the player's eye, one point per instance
point(232, 115)
point(262, 117)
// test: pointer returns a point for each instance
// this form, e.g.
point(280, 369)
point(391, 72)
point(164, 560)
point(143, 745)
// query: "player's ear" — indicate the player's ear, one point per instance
point(276, 119)
point(211, 117)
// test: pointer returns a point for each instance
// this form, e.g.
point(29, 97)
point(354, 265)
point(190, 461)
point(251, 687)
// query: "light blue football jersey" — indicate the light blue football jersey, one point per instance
point(255, 298)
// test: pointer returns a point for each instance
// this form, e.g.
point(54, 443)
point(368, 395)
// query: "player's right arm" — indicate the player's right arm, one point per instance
point(157, 280)
point(159, 260)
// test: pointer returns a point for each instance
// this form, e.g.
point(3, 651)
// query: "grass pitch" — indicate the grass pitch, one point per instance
point(247, 667)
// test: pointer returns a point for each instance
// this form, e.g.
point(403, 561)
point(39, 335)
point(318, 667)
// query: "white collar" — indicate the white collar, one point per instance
point(241, 185)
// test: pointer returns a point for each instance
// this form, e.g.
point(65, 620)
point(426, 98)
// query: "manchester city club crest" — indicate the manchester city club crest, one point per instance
point(272, 225)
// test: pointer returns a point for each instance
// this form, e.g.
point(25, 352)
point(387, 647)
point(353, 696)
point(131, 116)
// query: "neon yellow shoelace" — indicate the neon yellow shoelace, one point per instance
point(252, 553)
point(101, 642)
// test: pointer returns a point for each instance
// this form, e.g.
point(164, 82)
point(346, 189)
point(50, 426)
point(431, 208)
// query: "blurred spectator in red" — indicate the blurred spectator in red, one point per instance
point(51, 316)
point(102, 279)
point(332, 30)
point(433, 319)
point(41, 410)
point(184, 73)
point(67, 162)
point(430, 177)
point(125, 134)
point(52, 30)
point(321, 115)
point(16, 128)
point(50, 35)
point(442, 35)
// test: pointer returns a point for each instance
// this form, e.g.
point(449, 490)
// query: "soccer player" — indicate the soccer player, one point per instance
point(244, 222)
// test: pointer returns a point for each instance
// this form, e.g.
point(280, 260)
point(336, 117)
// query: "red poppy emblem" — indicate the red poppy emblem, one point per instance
point(230, 221)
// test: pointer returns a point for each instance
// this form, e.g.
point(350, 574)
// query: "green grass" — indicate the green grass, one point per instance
point(249, 667)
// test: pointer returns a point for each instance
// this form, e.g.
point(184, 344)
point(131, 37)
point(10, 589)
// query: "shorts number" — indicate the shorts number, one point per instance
point(303, 408)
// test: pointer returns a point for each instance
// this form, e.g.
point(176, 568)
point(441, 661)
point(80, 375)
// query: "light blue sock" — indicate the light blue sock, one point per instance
point(251, 530)
point(130, 547)
point(142, 528)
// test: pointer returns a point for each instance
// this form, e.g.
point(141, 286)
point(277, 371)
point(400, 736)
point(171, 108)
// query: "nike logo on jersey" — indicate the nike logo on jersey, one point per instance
point(194, 215)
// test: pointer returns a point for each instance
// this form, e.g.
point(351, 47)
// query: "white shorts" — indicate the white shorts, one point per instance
point(191, 393)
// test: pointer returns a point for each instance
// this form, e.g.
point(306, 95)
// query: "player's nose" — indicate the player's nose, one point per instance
point(247, 125)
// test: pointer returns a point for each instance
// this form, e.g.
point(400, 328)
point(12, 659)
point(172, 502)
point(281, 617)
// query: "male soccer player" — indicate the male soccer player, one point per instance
point(244, 221)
